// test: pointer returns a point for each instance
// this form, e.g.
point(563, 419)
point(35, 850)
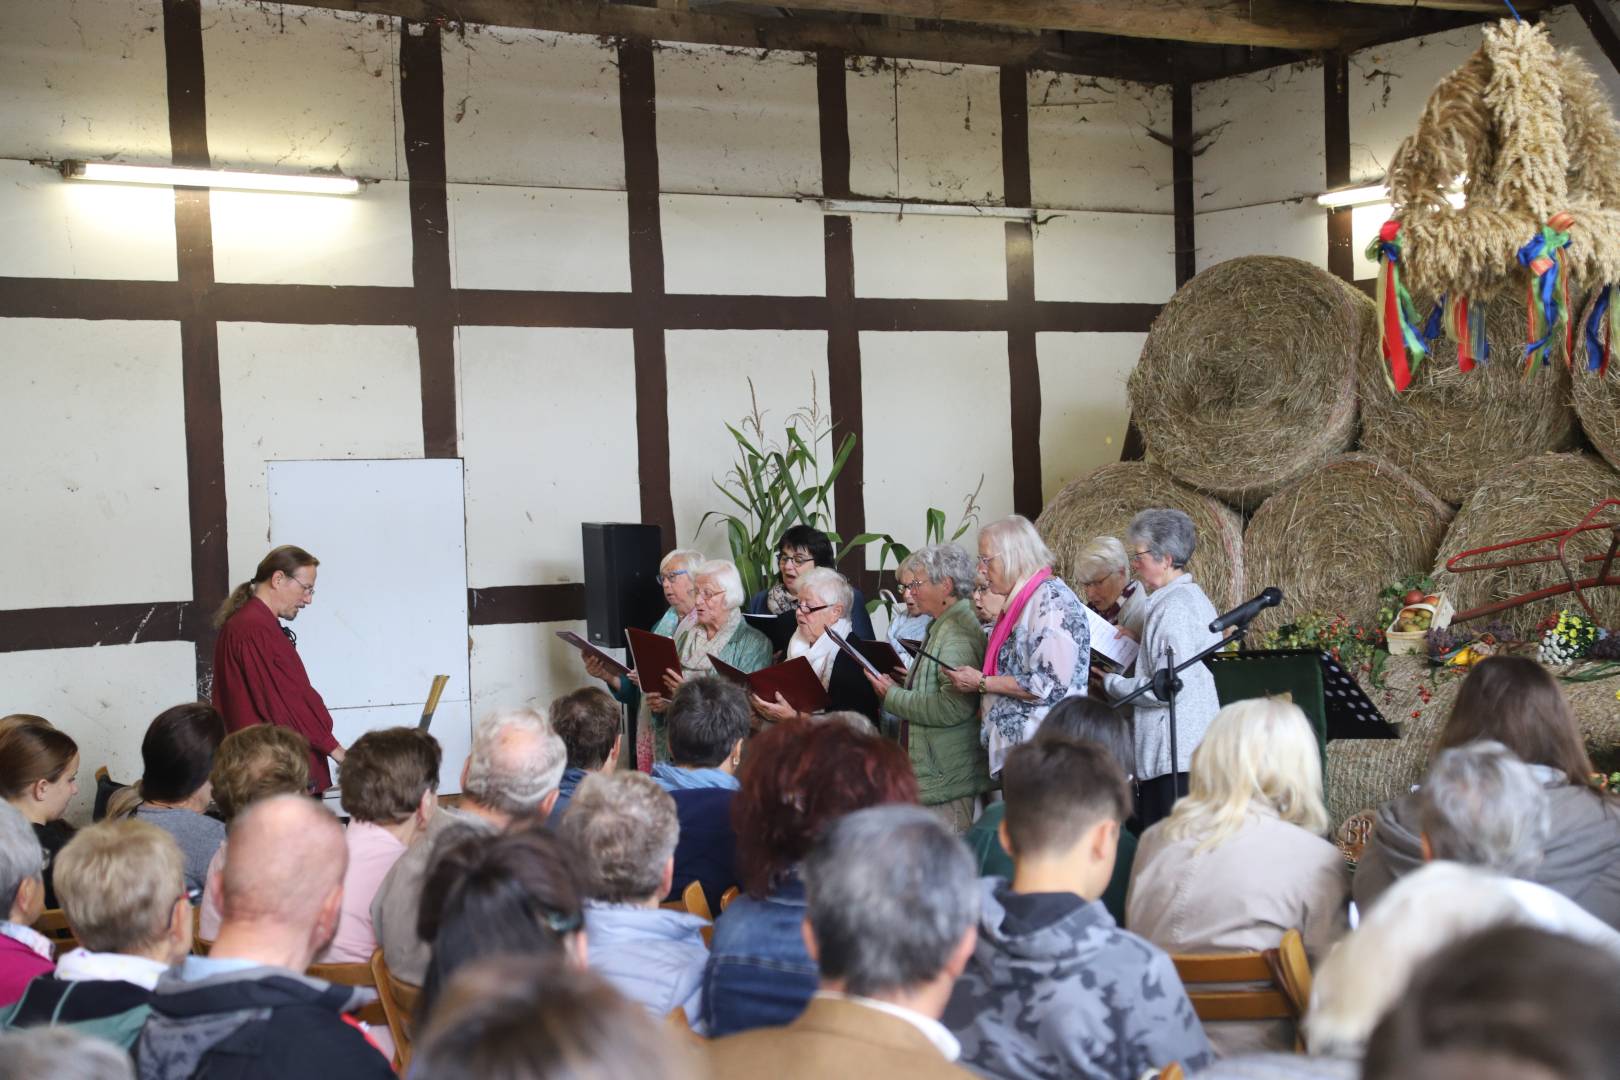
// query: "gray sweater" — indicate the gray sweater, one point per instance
point(198, 835)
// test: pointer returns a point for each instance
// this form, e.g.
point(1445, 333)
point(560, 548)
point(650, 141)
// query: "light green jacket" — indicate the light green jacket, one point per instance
point(945, 750)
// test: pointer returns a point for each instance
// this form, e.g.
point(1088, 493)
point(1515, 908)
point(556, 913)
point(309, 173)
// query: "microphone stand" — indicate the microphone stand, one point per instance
point(1166, 683)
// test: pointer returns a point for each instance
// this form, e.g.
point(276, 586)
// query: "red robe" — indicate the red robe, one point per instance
point(259, 679)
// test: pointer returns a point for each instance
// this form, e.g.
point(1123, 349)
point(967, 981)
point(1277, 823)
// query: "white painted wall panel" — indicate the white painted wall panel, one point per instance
point(737, 121)
point(539, 238)
point(74, 230)
point(523, 664)
point(548, 433)
point(870, 89)
point(950, 132)
point(295, 88)
point(105, 698)
point(1296, 229)
point(1090, 147)
point(965, 375)
point(93, 464)
point(1389, 85)
point(1263, 137)
point(926, 257)
point(1128, 258)
point(271, 239)
point(754, 247)
point(708, 388)
point(84, 79)
point(531, 107)
point(303, 393)
point(1084, 408)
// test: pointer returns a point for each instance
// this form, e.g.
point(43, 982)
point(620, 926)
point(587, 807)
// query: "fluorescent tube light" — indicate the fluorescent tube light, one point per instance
point(871, 206)
point(1373, 193)
point(166, 176)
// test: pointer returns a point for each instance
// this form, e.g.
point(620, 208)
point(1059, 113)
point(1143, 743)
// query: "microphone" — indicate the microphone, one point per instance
point(1245, 612)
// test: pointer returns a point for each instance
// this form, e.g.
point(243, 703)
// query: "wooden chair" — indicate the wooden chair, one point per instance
point(54, 925)
point(695, 902)
point(399, 1006)
point(359, 975)
point(727, 897)
point(199, 945)
point(1285, 971)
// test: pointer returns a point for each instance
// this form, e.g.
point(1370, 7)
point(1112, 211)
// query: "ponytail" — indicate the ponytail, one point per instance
point(233, 603)
point(285, 558)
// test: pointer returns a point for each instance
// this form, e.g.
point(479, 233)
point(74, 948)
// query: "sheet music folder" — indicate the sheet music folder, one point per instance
point(1329, 695)
point(653, 655)
point(794, 679)
point(587, 649)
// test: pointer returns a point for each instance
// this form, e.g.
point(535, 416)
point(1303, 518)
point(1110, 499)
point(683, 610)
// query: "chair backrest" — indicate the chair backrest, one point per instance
point(696, 903)
point(1285, 971)
point(52, 922)
point(728, 896)
point(358, 974)
point(399, 1006)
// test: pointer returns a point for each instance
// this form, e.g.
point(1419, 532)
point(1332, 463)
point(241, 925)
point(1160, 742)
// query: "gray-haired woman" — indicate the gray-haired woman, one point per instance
point(1103, 573)
point(1161, 543)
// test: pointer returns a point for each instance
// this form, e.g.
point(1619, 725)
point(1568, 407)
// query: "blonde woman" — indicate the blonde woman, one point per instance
point(1102, 573)
point(1244, 857)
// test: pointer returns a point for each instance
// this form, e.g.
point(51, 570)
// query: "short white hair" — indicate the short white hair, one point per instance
point(724, 572)
point(688, 559)
point(1102, 557)
point(1020, 546)
point(829, 586)
point(1482, 806)
point(516, 761)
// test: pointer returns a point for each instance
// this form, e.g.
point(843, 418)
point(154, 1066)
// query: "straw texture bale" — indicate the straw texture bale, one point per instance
point(1597, 398)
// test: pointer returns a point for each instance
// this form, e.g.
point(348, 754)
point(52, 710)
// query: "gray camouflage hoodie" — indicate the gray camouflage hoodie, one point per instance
point(1077, 997)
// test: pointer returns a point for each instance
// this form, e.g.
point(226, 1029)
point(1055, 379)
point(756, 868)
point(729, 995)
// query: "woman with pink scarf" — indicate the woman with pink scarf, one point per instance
point(1040, 647)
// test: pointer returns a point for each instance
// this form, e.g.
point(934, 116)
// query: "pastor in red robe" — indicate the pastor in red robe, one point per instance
point(259, 679)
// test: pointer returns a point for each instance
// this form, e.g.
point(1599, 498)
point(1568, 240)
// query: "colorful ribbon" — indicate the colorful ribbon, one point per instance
point(1547, 295)
point(1465, 327)
point(1398, 336)
point(1601, 329)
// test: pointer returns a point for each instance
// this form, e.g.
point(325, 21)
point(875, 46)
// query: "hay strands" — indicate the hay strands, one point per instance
point(1455, 564)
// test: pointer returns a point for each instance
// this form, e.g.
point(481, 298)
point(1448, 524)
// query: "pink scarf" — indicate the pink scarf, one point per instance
point(1009, 615)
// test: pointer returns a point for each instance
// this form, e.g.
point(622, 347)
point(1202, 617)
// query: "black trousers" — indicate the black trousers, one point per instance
point(1155, 798)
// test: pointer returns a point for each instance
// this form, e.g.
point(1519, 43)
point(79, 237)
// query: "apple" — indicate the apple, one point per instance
point(1415, 596)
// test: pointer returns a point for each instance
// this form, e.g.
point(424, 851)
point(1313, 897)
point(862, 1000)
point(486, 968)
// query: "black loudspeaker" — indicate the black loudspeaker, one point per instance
point(621, 580)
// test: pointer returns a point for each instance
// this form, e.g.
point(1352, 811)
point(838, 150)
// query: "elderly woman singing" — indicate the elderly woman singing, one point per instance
point(716, 630)
point(1178, 617)
point(1040, 649)
point(825, 600)
point(1104, 573)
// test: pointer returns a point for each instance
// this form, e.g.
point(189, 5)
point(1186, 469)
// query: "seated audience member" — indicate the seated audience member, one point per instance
point(514, 893)
point(177, 756)
point(39, 775)
point(510, 778)
point(1073, 718)
point(1518, 703)
point(800, 777)
point(623, 828)
point(1513, 1002)
point(1485, 823)
point(1243, 857)
point(390, 790)
point(588, 722)
point(891, 909)
point(61, 1054)
point(252, 764)
point(707, 721)
point(941, 723)
point(24, 952)
point(824, 603)
point(801, 549)
point(535, 1018)
point(1054, 987)
point(123, 891)
point(247, 1010)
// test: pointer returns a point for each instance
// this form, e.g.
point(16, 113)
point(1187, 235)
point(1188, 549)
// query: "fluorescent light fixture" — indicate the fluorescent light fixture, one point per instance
point(870, 206)
point(1373, 193)
point(166, 176)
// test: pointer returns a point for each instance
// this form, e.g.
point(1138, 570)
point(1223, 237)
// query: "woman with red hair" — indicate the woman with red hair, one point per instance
point(799, 777)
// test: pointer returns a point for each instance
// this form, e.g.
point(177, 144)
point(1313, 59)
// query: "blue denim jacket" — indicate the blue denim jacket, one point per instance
point(759, 974)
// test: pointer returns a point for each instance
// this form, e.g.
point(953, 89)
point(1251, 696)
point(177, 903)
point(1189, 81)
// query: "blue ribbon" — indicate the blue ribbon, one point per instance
point(1547, 286)
point(1432, 328)
point(1594, 324)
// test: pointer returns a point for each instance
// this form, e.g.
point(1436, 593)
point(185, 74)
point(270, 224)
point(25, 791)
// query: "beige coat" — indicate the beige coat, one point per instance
point(832, 1039)
point(1264, 879)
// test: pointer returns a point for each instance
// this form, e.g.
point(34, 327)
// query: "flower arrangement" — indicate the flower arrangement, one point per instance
point(1569, 639)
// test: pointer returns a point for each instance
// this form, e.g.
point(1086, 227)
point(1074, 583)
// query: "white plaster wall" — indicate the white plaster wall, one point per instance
point(530, 107)
point(966, 375)
point(708, 389)
point(548, 434)
point(272, 239)
point(927, 257)
point(538, 238)
point(1084, 408)
point(737, 121)
point(58, 229)
point(1091, 144)
point(1569, 30)
point(296, 89)
point(1262, 138)
point(1297, 229)
point(92, 463)
point(64, 99)
point(104, 697)
point(742, 246)
point(308, 392)
point(924, 130)
point(1389, 85)
point(1127, 258)
point(523, 664)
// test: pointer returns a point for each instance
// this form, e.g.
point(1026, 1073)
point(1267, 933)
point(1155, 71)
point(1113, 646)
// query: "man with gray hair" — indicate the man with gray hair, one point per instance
point(24, 951)
point(1482, 806)
point(623, 827)
point(511, 775)
point(892, 903)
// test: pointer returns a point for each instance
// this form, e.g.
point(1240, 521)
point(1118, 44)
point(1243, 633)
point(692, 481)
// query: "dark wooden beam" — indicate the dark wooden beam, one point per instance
point(1605, 26)
point(1341, 256)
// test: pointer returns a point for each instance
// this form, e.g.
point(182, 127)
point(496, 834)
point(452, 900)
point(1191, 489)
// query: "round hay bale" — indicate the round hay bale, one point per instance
point(1332, 539)
point(1451, 428)
point(1547, 493)
point(1103, 502)
point(1597, 397)
point(1247, 379)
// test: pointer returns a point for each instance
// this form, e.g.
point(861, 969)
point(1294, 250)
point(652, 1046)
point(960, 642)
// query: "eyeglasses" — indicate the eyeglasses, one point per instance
point(784, 559)
point(308, 587)
point(806, 609)
point(912, 586)
point(1094, 582)
point(711, 594)
point(986, 560)
point(1138, 556)
point(665, 579)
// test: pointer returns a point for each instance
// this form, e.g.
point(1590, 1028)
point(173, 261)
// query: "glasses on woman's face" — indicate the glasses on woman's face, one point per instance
point(787, 559)
point(711, 595)
point(669, 578)
point(809, 609)
point(912, 586)
point(986, 560)
point(1138, 556)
